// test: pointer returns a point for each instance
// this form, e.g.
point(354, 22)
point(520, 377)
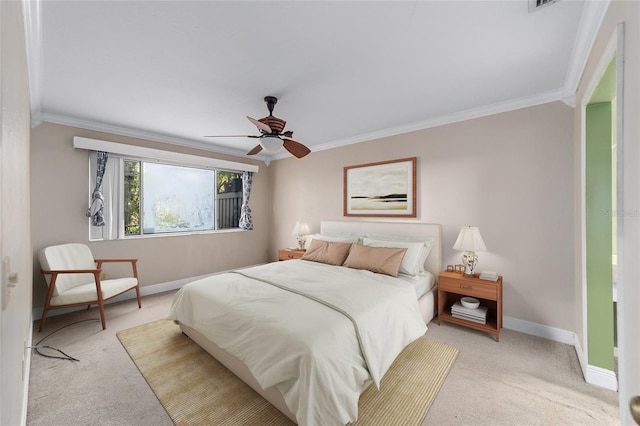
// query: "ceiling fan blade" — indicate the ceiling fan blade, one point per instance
point(260, 125)
point(232, 136)
point(256, 149)
point(296, 148)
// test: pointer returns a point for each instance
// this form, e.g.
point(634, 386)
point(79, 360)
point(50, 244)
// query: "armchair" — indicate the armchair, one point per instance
point(73, 277)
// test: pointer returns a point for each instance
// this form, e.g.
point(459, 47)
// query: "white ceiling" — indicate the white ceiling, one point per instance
point(343, 72)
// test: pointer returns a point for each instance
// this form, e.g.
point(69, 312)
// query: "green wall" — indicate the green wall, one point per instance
point(600, 316)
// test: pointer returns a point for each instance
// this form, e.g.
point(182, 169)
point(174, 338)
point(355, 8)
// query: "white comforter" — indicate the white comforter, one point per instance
point(309, 351)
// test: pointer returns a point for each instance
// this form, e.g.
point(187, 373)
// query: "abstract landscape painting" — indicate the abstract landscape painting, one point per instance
point(385, 188)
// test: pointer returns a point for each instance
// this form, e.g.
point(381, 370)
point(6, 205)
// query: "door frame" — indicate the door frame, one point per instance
point(628, 223)
point(628, 215)
point(593, 374)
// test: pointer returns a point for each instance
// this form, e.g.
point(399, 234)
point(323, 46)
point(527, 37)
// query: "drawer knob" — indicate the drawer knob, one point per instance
point(466, 287)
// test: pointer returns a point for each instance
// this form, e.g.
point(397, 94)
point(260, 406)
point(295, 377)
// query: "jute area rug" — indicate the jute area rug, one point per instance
point(195, 389)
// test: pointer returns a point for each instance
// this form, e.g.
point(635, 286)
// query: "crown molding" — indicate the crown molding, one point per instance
point(497, 108)
point(592, 17)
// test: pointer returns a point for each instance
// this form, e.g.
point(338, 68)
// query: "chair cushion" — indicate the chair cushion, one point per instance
point(87, 292)
point(67, 256)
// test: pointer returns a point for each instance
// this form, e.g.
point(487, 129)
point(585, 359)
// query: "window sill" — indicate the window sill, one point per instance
point(175, 234)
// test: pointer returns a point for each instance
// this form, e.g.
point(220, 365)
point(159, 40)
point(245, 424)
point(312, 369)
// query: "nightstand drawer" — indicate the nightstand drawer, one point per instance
point(290, 254)
point(469, 288)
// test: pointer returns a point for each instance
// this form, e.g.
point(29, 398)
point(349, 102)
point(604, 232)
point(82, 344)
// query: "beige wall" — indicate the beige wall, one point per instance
point(511, 174)
point(59, 193)
point(15, 237)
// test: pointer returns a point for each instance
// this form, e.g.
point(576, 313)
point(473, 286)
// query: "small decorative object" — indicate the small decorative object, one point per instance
point(459, 268)
point(489, 275)
point(470, 302)
point(470, 241)
point(383, 189)
point(449, 268)
point(301, 230)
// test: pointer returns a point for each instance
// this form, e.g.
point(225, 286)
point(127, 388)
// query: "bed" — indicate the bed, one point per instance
point(310, 336)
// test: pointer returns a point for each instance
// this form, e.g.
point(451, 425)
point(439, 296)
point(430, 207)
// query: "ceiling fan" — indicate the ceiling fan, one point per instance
point(272, 137)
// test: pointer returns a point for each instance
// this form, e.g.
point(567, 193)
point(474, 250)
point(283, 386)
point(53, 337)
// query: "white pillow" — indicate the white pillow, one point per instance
point(337, 238)
point(414, 258)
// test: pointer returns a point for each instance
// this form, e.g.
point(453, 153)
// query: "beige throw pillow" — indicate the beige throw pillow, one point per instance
point(333, 253)
point(381, 260)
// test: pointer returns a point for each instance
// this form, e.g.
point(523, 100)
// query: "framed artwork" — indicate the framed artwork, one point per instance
point(383, 189)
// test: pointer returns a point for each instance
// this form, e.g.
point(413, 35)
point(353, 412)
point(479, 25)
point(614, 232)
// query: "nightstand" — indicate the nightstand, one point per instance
point(453, 286)
point(285, 254)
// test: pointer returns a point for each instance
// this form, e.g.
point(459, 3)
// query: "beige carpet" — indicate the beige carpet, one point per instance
point(195, 389)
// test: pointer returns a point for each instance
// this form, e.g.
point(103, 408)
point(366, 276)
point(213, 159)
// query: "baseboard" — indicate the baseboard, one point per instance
point(26, 373)
point(593, 375)
point(581, 358)
point(540, 330)
point(601, 377)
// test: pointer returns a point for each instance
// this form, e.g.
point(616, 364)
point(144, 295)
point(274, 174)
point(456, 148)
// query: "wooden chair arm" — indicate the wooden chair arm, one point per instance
point(70, 271)
point(134, 265)
point(54, 277)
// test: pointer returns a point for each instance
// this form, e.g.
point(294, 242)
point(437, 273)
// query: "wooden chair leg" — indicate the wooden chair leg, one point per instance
point(44, 317)
point(47, 302)
point(138, 294)
point(101, 306)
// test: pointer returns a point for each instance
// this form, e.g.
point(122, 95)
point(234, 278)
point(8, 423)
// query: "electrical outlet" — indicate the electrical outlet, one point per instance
point(103, 275)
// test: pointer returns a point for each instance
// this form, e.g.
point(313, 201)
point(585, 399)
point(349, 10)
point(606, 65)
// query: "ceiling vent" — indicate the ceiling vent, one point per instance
point(538, 4)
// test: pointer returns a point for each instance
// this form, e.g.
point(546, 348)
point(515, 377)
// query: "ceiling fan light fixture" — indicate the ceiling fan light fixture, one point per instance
point(271, 144)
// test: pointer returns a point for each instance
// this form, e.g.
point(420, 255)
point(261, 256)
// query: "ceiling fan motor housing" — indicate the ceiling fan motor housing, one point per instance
point(276, 124)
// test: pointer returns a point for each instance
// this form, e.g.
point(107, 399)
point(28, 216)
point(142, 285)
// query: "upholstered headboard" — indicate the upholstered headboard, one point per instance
point(414, 230)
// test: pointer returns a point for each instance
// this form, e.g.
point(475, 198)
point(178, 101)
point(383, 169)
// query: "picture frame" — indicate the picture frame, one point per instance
point(382, 189)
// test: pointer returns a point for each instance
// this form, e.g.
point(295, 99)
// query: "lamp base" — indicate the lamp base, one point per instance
point(469, 258)
point(302, 241)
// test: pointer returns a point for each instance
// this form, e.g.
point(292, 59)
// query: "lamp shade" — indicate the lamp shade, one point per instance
point(271, 144)
point(470, 239)
point(301, 228)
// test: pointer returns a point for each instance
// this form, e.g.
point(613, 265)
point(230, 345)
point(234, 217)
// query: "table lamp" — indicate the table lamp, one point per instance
point(301, 230)
point(470, 241)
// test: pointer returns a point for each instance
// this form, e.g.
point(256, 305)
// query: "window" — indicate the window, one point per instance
point(162, 198)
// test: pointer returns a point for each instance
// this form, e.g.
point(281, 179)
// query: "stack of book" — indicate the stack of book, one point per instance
point(478, 314)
